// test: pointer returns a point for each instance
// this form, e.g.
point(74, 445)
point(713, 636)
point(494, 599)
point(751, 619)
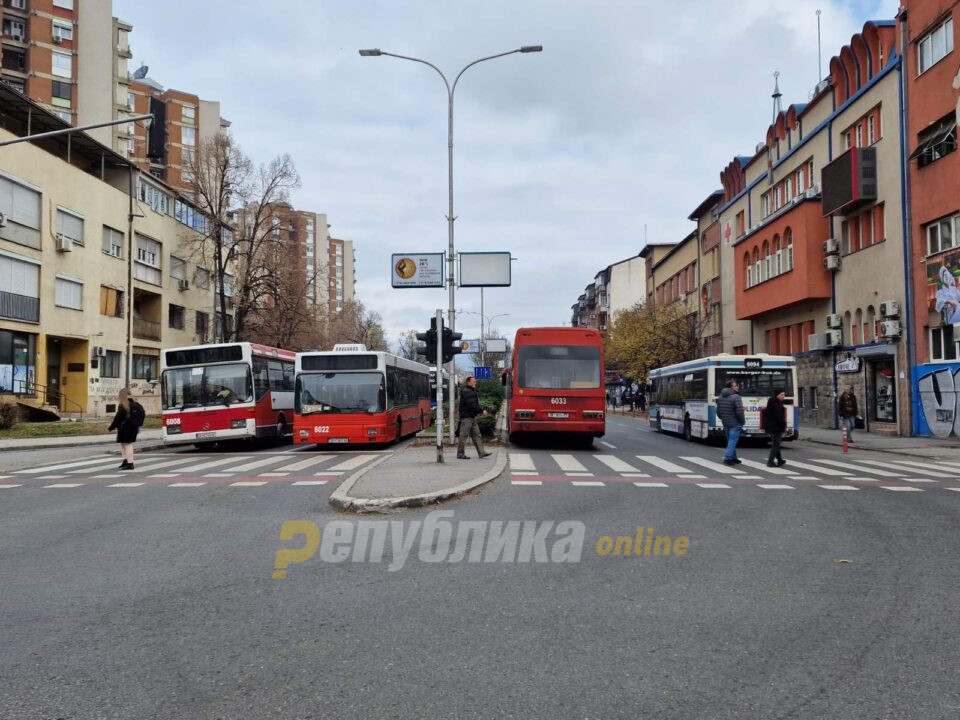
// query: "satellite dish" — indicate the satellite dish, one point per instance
point(141, 72)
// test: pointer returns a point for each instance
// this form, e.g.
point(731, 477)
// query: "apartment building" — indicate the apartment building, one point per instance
point(93, 282)
point(70, 57)
point(342, 261)
point(709, 286)
point(927, 37)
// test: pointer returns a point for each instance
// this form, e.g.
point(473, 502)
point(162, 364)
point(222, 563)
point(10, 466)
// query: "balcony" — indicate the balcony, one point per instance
point(19, 307)
point(145, 329)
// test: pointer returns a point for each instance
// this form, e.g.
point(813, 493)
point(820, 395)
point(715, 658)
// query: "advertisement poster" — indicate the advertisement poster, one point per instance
point(416, 270)
point(943, 286)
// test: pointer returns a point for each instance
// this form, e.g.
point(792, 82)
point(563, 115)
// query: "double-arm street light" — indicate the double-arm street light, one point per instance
point(483, 337)
point(451, 257)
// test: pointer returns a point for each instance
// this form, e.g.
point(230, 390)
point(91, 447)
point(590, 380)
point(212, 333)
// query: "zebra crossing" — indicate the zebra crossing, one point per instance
point(598, 470)
point(304, 469)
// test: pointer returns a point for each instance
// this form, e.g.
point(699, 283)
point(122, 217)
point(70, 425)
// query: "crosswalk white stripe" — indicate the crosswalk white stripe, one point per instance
point(691, 476)
point(713, 486)
point(521, 461)
point(834, 472)
point(524, 472)
point(248, 483)
point(715, 466)
point(616, 464)
point(526, 482)
point(65, 466)
point(918, 480)
point(568, 463)
point(587, 483)
point(125, 485)
point(776, 487)
point(353, 462)
point(8, 487)
point(608, 445)
point(186, 484)
point(651, 484)
point(309, 482)
point(954, 489)
point(838, 487)
point(662, 464)
point(854, 467)
point(254, 464)
point(765, 468)
point(901, 489)
point(212, 463)
point(64, 485)
point(304, 464)
point(166, 463)
point(934, 469)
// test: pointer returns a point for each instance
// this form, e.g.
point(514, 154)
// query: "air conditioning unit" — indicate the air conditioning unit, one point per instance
point(831, 247)
point(831, 262)
point(57, 39)
point(183, 284)
point(131, 150)
point(834, 321)
point(98, 351)
point(130, 130)
point(890, 309)
point(683, 297)
point(834, 338)
point(19, 38)
point(817, 341)
point(64, 244)
point(890, 328)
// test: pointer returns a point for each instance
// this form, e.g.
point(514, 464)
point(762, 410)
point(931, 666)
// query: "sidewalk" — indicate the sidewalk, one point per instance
point(147, 440)
point(412, 477)
point(925, 447)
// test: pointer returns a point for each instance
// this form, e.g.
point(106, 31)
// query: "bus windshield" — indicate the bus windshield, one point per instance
point(558, 367)
point(207, 385)
point(759, 383)
point(337, 392)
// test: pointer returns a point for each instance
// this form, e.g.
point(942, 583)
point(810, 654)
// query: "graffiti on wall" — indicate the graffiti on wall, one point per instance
point(938, 388)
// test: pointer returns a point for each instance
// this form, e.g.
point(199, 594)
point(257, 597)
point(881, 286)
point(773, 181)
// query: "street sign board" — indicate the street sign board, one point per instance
point(416, 270)
point(483, 372)
point(470, 346)
point(485, 269)
point(496, 345)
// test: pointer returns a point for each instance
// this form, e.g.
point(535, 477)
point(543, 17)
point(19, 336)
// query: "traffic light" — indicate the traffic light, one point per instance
point(450, 344)
point(430, 338)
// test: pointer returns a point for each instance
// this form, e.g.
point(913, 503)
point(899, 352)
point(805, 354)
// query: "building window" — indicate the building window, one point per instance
point(936, 141)
point(14, 28)
point(227, 285)
point(19, 289)
point(940, 234)
point(178, 268)
point(62, 31)
point(943, 344)
point(148, 265)
point(18, 4)
point(158, 200)
point(70, 225)
point(202, 324)
point(935, 45)
point(62, 65)
point(175, 316)
point(69, 293)
point(65, 116)
point(144, 367)
point(65, 4)
point(111, 301)
point(740, 350)
point(188, 136)
point(788, 240)
point(847, 140)
point(110, 364)
point(188, 114)
point(814, 399)
point(112, 242)
point(859, 134)
point(871, 130)
point(201, 278)
point(61, 93)
point(17, 362)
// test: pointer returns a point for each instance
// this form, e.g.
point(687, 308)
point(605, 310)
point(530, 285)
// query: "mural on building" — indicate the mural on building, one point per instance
point(943, 286)
point(939, 393)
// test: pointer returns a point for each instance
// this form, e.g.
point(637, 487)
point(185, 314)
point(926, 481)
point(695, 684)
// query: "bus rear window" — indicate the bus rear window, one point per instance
point(759, 383)
point(559, 367)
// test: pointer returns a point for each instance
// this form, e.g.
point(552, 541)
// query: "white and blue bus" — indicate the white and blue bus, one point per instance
point(683, 397)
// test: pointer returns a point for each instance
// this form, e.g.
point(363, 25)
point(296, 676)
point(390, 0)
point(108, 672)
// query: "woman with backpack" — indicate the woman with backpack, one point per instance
point(127, 423)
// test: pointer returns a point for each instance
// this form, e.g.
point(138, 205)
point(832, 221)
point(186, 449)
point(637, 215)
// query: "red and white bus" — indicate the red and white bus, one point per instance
point(555, 384)
point(352, 395)
point(231, 391)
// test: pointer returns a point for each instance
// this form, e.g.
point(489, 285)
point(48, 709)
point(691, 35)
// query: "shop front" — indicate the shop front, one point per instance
point(879, 378)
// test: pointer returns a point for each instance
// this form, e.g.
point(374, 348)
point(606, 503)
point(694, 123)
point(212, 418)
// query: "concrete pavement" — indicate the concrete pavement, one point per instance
point(147, 439)
point(916, 446)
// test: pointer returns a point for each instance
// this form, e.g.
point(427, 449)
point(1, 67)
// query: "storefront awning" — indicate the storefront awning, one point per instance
point(872, 351)
point(934, 140)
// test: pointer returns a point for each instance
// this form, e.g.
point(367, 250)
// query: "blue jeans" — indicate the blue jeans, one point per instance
point(851, 423)
point(733, 437)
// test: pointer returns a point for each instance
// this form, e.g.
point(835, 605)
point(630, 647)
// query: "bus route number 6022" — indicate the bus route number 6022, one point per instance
point(321, 429)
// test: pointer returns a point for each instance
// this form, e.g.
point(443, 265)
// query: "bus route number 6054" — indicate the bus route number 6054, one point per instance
point(558, 401)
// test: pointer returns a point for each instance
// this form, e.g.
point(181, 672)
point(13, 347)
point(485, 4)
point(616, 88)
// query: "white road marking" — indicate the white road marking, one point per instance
point(763, 467)
point(8, 487)
point(64, 485)
point(616, 464)
point(815, 468)
point(107, 477)
point(337, 474)
point(902, 489)
point(51, 477)
point(149, 465)
point(309, 482)
point(776, 487)
point(688, 476)
point(861, 479)
point(125, 485)
point(253, 464)
point(635, 475)
point(579, 474)
point(804, 477)
point(918, 480)
point(856, 468)
point(838, 487)
point(212, 463)
point(248, 483)
point(568, 463)
point(354, 462)
point(304, 464)
point(710, 465)
point(713, 486)
point(608, 445)
point(186, 484)
point(274, 474)
point(521, 461)
point(524, 472)
point(650, 484)
point(587, 483)
point(911, 465)
point(751, 477)
point(164, 475)
point(526, 482)
point(64, 466)
point(954, 489)
point(219, 475)
point(662, 464)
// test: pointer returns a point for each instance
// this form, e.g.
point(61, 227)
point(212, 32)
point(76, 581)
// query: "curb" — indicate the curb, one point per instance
point(912, 452)
point(105, 443)
point(341, 499)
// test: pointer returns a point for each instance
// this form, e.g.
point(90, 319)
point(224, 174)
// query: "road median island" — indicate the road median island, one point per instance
point(412, 477)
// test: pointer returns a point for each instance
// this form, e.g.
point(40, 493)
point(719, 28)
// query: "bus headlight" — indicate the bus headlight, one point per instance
point(371, 431)
point(173, 430)
point(304, 433)
point(524, 414)
point(238, 424)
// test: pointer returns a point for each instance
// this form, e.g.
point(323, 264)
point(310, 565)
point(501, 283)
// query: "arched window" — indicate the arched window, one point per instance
point(766, 260)
point(747, 270)
point(857, 325)
point(846, 326)
point(777, 256)
point(788, 243)
point(756, 265)
point(869, 327)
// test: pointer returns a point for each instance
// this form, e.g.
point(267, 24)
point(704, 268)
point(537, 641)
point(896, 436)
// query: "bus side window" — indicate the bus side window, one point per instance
point(261, 382)
point(288, 374)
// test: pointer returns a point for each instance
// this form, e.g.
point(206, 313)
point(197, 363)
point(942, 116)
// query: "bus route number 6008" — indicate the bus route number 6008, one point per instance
point(558, 401)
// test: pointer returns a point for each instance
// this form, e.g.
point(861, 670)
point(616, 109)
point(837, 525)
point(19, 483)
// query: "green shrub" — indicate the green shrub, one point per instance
point(9, 416)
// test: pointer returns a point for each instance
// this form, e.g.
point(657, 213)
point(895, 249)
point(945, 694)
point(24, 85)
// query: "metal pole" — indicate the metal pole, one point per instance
point(483, 338)
point(81, 128)
point(129, 300)
point(451, 258)
point(439, 359)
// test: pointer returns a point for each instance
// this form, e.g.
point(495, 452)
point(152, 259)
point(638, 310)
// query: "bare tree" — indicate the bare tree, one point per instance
point(407, 345)
point(355, 324)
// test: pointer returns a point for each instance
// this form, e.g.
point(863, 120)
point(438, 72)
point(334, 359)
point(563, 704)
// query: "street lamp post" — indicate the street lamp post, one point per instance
point(483, 339)
point(451, 257)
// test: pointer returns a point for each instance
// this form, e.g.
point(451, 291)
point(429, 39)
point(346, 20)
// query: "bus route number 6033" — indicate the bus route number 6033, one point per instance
point(321, 429)
point(558, 401)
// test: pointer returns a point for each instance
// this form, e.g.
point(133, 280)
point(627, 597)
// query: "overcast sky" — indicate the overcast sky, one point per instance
point(622, 123)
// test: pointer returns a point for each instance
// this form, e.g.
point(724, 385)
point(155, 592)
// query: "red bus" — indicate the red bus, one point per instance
point(231, 391)
point(555, 384)
point(352, 395)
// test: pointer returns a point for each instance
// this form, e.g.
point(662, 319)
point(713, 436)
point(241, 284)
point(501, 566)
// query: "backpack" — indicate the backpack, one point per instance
point(137, 414)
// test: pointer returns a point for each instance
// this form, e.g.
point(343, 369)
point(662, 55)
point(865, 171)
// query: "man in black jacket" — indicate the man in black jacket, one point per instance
point(730, 412)
point(775, 423)
point(469, 409)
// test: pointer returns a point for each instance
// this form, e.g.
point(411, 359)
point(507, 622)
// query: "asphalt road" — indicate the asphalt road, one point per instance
point(158, 601)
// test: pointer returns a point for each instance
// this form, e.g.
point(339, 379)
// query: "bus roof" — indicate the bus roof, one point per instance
point(254, 349)
point(527, 336)
point(726, 360)
point(383, 358)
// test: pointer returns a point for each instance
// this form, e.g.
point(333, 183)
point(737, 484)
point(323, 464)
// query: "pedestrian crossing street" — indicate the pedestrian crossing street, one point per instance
point(193, 470)
point(600, 470)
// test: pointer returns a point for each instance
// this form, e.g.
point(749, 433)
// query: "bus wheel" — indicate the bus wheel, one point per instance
point(399, 429)
point(281, 427)
point(687, 430)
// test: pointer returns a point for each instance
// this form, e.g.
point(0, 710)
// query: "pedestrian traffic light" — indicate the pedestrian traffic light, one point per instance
point(430, 338)
point(450, 344)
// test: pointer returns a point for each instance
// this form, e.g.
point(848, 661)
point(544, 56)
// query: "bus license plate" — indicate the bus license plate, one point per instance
point(205, 435)
point(558, 416)
point(338, 440)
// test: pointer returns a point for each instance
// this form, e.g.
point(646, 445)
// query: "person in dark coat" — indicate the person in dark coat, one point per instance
point(775, 423)
point(730, 412)
point(848, 410)
point(124, 422)
point(469, 410)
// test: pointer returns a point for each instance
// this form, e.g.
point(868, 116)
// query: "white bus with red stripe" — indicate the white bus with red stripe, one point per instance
point(229, 391)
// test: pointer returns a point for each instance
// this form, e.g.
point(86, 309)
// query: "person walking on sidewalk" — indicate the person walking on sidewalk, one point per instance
point(848, 411)
point(127, 423)
point(469, 410)
point(730, 412)
point(775, 423)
